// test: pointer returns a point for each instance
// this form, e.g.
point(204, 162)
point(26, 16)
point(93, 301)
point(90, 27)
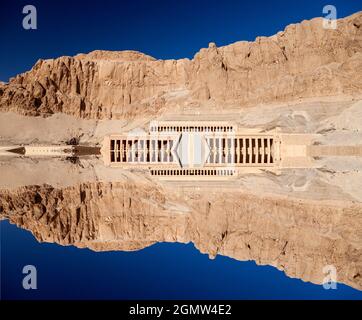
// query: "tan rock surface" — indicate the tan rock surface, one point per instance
point(297, 237)
point(303, 61)
point(298, 222)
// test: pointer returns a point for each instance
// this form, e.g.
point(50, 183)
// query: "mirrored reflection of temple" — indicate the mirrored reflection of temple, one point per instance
point(192, 150)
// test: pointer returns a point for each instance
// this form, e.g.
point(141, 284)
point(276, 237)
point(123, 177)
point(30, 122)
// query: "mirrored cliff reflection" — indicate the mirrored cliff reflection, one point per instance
point(251, 150)
point(297, 237)
point(279, 186)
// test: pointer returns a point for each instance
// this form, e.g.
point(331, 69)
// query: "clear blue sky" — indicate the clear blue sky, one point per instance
point(163, 29)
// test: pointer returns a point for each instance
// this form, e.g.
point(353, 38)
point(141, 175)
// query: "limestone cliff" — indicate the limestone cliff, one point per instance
point(299, 238)
point(303, 61)
point(296, 235)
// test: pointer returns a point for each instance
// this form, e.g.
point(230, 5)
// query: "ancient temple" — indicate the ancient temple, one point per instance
point(204, 150)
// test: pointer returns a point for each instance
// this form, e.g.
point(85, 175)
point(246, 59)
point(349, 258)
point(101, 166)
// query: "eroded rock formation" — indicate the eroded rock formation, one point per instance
point(296, 235)
point(299, 238)
point(303, 61)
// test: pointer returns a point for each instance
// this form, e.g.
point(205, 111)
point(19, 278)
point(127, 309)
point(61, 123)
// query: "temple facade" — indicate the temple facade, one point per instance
point(190, 150)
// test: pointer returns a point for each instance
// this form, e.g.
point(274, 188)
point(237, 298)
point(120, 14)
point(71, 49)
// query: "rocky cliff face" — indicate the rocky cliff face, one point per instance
point(303, 61)
point(296, 235)
point(299, 238)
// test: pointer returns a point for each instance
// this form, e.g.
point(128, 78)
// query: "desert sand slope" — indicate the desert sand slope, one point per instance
point(303, 61)
point(305, 79)
point(299, 238)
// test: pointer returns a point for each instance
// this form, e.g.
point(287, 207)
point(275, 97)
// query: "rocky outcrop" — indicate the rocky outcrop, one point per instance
point(299, 238)
point(303, 61)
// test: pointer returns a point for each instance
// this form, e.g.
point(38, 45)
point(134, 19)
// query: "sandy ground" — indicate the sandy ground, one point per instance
point(16, 129)
point(337, 178)
point(337, 121)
